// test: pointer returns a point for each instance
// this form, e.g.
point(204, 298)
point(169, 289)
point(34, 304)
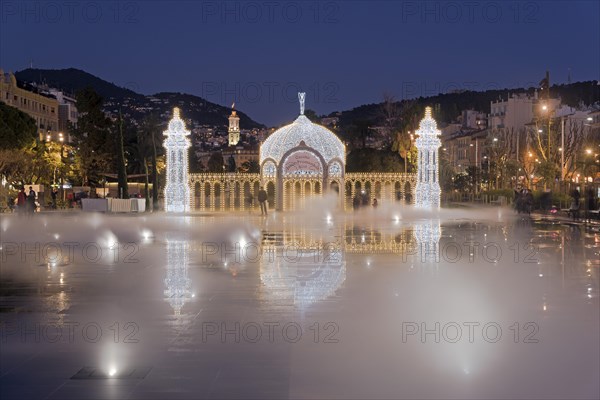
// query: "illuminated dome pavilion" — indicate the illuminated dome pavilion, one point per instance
point(302, 150)
point(316, 137)
point(296, 162)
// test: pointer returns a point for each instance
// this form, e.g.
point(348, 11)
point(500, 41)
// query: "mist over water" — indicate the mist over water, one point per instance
point(385, 302)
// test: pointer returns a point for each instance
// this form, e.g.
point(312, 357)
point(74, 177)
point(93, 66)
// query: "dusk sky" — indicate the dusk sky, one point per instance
point(343, 54)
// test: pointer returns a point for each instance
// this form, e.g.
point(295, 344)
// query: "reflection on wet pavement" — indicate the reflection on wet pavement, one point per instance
point(293, 307)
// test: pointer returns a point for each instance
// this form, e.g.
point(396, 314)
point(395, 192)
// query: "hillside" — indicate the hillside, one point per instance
point(133, 104)
point(71, 80)
point(449, 105)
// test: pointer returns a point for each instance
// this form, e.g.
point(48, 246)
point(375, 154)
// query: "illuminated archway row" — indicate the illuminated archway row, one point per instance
point(224, 191)
point(229, 191)
point(383, 186)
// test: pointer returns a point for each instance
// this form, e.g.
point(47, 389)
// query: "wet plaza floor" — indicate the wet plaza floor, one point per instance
point(378, 304)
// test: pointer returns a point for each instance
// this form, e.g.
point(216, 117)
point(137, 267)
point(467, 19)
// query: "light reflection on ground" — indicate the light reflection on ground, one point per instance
point(291, 306)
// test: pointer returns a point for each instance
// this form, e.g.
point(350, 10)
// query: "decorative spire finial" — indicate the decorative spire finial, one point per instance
point(427, 112)
point(176, 112)
point(301, 97)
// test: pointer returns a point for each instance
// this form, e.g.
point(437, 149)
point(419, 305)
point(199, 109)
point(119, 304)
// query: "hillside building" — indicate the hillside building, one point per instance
point(42, 106)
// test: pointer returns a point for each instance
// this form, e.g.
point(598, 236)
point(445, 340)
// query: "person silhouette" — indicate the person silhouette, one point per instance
point(262, 199)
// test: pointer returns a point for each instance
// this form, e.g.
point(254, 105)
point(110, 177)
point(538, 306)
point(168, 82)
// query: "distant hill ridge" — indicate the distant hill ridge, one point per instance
point(71, 80)
point(207, 113)
point(135, 104)
point(452, 104)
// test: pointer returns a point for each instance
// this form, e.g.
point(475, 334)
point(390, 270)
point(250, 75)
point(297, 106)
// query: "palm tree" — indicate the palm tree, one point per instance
point(402, 144)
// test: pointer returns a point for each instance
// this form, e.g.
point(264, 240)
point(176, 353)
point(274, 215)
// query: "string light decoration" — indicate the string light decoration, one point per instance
point(177, 281)
point(318, 160)
point(317, 271)
point(316, 146)
point(428, 240)
point(335, 169)
point(427, 193)
point(177, 143)
point(302, 129)
point(269, 169)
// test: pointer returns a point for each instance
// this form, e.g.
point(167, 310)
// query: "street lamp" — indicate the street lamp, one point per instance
point(587, 180)
point(488, 171)
point(62, 169)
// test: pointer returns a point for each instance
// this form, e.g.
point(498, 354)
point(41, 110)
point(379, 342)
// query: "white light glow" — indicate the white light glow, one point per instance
point(427, 193)
point(234, 128)
point(112, 371)
point(177, 281)
point(302, 129)
point(110, 241)
point(177, 189)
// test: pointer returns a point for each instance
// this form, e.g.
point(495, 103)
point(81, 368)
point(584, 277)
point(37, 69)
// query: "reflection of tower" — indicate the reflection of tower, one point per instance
point(177, 189)
point(428, 235)
point(177, 281)
point(427, 193)
point(234, 127)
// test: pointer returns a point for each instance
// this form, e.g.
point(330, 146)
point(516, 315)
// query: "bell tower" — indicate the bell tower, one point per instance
point(234, 127)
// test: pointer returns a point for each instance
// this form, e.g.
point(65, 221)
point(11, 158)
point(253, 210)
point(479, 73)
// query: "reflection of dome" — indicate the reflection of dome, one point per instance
point(302, 280)
point(316, 136)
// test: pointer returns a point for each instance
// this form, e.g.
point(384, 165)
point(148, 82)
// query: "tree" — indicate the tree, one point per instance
point(123, 188)
point(250, 166)
point(577, 138)
point(16, 166)
point(231, 167)
point(215, 162)
point(391, 113)
point(465, 181)
point(512, 169)
point(400, 122)
point(312, 115)
point(93, 138)
point(41, 163)
point(358, 133)
point(372, 160)
point(462, 182)
point(500, 145)
point(549, 171)
point(17, 129)
point(403, 145)
point(148, 137)
point(447, 173)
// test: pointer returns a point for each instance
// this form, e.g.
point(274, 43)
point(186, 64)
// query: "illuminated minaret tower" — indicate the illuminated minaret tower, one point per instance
point(427, 193)
point(234, 127)
point(177, 143)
